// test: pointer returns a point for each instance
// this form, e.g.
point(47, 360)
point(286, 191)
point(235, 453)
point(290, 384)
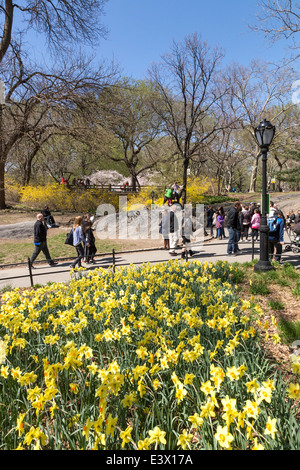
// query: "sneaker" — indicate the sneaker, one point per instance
point(173, 253)
point(53, 264)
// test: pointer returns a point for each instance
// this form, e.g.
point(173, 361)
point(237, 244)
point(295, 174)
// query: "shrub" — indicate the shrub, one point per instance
point(60, 197)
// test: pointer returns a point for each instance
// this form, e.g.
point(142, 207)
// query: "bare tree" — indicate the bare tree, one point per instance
point(186, 80)
point(280, 19)
point(258, 92)
point(41, 103)
point(126, 110)
point(61, 22)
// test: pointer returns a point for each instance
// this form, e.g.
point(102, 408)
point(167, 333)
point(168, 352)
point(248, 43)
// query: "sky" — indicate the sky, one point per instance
point(141, 31)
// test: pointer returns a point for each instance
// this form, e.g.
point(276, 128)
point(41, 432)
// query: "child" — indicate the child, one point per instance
point(255, 223)
point(220, 225)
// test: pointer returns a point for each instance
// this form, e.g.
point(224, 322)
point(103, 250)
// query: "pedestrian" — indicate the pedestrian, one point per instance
point(48, 218)
point(175, 187)
point(222, 213)
point(164, 228)
point(220, 225)
point(276, 236)
point(187, 232)
point(255, 224)
point(78, 240)
point(40, 241)
point(173, 231)
point(297, 218)
point(246, 223)
point(232, 225)
point(239, 227)
point(209, 219)
point(168, 196)
point(89, 244)
point(272, 209)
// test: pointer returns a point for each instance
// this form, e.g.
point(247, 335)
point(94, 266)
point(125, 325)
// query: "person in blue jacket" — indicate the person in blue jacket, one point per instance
point(276, 236)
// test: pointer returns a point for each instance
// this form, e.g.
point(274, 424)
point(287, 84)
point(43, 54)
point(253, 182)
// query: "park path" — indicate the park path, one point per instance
point(211, 250)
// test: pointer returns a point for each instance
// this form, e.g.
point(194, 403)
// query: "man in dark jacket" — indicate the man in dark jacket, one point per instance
point(232, 226)
point(40, 240)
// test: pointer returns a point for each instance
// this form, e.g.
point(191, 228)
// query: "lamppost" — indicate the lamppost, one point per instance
point(264, 134)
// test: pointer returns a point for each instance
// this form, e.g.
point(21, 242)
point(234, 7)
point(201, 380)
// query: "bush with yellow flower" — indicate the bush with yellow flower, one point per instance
point(156, 357)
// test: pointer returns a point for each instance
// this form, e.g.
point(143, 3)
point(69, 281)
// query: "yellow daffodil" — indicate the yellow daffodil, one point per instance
point(184, 439)
point(126, 435)
point(157, 436)
point(224, 437)
point(271, 427)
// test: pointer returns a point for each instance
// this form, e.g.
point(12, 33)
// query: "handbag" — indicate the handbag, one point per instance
point(69, 238)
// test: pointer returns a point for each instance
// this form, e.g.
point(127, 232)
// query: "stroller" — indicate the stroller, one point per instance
point(294, 236)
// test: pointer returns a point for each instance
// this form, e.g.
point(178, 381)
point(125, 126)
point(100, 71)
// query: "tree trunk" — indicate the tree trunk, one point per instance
point(6, 34)
point(2, 162)
point(2, 182)
point(184, 179)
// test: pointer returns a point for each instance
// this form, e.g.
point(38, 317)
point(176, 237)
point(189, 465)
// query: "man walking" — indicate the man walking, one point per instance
point(232, 225)
point(173, 231)
point(40, 240)
point(276, 235)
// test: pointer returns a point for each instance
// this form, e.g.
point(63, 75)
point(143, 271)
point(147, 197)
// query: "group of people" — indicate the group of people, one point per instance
point(238, 221)
point(83, 238)
point(172, 194)
point(171, 231)
point(240, 218)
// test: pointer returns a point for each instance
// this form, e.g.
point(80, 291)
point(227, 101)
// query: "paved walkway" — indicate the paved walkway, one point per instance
point(212, 250)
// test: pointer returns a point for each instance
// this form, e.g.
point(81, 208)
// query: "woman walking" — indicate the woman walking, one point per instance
point(255, 224)
point(220, 225)
point(78, 239)
point(90, 246)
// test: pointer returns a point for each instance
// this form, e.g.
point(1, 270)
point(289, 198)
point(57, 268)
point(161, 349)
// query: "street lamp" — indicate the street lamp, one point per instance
point(264, 134)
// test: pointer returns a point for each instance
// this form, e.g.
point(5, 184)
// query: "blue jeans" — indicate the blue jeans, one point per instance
point(232, 240)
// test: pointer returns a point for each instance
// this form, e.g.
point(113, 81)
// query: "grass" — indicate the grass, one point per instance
point(275, 290)
point(259, 286)
point(276, 305)
point(18, 251)
point(290, 330)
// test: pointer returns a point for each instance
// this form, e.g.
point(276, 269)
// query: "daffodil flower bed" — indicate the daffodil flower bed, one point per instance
point(160, 357)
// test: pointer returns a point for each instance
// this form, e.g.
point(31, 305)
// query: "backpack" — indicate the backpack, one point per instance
point(272, 224)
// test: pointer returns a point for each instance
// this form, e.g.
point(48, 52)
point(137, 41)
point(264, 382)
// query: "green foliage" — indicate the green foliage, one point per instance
point(290, 330)
point(276, 305)
point(259, 286)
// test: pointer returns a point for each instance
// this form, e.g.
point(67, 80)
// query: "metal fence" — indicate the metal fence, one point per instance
point(112, 265)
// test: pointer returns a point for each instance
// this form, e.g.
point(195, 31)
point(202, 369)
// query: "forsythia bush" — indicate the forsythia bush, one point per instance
point(160, 357)
point(60, 197)
point(196, 188)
